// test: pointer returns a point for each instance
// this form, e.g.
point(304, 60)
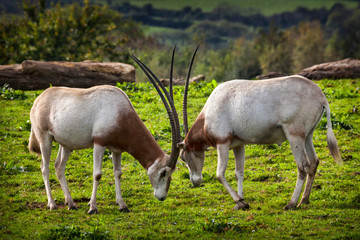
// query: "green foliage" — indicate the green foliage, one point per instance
point(202, 89)
point(274, 50)
point(10, 94)
point(65, 232)
point(204, 212)
point(218, 226)
point(309, 45)
point(351, 40)
point(337, 123)
point(235, 43)
point(134, 89)
point(290, 51)
point(72, 33)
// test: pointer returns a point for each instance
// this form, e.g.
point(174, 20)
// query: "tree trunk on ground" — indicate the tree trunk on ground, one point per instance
point(347, 68)
point(35, 75)
point(181, 81)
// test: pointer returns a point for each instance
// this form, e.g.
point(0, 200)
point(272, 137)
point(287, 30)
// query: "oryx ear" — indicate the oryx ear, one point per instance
point(181, 145)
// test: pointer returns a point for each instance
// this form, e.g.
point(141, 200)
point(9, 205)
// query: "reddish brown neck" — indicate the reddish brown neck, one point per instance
point(197, 139)
point(133, 137)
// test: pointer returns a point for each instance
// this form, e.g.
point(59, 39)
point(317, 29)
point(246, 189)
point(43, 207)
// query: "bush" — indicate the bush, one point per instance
point(274, 50)
point(11, 94)
point(309, 45)
point(72, 33)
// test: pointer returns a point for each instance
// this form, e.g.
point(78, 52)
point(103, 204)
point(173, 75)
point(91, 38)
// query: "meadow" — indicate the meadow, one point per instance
point(187, 213)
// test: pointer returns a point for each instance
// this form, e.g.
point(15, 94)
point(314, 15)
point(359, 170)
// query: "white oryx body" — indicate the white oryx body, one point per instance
point(99, 117)
point(241, 112)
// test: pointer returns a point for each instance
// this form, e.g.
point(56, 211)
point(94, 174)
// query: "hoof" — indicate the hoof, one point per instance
point(303, 201)
point(72, 207)
point(241, 205)
point(52, 206)
point(289, 206)
point(93, 211)
point(124, 209)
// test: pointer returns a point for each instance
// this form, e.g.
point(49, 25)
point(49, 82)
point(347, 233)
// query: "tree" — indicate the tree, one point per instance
point(245, 61)
point(351, 40)
point(72, 33)
point(274, 50)
point(309, 46)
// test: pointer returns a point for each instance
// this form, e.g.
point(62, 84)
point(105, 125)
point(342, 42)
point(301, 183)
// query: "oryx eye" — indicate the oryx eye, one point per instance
point(163, 174)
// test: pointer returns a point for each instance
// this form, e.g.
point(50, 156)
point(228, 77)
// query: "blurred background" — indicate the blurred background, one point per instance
point(238, 38)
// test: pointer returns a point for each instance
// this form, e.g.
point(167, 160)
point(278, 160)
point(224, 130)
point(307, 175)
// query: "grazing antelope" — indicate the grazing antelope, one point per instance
point(241, 112)
point(100, 117)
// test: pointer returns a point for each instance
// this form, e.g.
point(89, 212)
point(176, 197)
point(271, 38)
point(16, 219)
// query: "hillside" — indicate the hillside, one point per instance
point(229, 21)
point(216, 21)
point(266, 8)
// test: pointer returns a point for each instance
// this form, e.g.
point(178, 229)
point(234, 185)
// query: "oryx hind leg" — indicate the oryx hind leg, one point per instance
point(60, 164)
point(314, 161)
point(239, 154)
point(116, 157)
point(297, 144)
point(45, 148)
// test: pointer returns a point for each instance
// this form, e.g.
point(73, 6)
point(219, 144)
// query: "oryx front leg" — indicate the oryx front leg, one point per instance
point(98, 157)
point(239, 154)
point(223, 158)
point(60, 164)
point(297, 145)
point(116, 157)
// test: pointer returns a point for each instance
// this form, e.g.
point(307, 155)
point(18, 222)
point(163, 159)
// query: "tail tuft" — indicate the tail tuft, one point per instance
point(333, 146)
point(34, 146)
point(331, 140)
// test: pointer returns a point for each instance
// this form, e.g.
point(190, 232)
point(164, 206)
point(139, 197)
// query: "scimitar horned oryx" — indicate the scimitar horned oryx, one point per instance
point(100, 117)
point(241, 112)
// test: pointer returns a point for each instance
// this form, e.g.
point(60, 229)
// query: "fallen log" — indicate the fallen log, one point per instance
point(270, 75)
point(347, 68)
point(36, 75)
point(181, 81)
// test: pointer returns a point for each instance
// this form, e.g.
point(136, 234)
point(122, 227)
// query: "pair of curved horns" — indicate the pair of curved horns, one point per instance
point(168, 101)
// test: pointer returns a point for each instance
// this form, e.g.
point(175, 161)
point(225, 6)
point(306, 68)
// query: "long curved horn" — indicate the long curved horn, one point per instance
point(185, 118)
point(171, 74)
point(174, 120)
point(176, 117)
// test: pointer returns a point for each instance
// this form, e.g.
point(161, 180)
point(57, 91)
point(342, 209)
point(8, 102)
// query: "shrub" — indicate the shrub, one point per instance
point(72, 33)
point(309, 45)
point(11, 94)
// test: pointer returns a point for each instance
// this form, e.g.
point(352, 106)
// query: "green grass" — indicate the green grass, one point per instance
point(267, 8)
point(188, 213)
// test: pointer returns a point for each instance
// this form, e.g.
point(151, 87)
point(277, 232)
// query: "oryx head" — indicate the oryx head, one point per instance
point(160, 177)
point(194, 159)
point(160, 172)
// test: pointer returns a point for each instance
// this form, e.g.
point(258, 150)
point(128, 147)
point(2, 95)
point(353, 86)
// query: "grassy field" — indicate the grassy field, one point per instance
point(267, 8)
point(188, 213)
